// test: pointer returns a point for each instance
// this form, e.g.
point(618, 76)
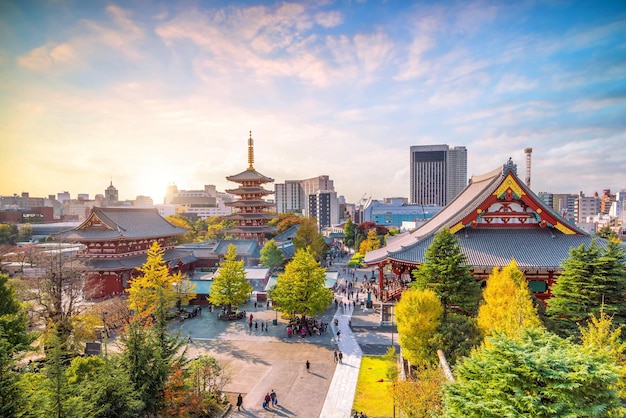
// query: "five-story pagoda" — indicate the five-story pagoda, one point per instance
point(251, 211)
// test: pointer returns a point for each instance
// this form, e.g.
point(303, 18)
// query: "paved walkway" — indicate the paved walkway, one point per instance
point(340, 396)
point(259, 361)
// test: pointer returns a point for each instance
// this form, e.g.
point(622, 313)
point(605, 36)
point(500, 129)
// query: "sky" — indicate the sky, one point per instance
point(145, 94)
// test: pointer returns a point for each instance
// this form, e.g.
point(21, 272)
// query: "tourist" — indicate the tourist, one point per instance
point(336, 357)
point(308, 366)
point(274, 398)
point(266, 401)
point(340, 357)
point(239, 402)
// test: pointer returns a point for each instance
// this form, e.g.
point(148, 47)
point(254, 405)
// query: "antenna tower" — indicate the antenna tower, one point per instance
point(528, 152)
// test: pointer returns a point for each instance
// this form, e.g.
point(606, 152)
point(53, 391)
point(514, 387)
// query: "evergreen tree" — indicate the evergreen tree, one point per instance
point(445, 271)
point(538, 375)
point(308, 238)
point(349, 233)
point(100, 388)
point(14, 338)
point(418, 316)
point(508, 305)
point(272, 256)
point(230, 287)
point(593, 279)
point(301, 289)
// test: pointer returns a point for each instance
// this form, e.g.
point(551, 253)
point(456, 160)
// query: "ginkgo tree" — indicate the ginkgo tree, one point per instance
point(156, 290)
point(418, 315)
point(301, 289)
point(508, 305)
point(230, 287)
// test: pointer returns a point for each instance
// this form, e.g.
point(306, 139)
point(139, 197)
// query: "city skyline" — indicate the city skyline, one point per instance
point(147, 94)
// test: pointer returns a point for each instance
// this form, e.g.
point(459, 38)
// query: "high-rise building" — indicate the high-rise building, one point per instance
point(438, 173)
point(315, 197)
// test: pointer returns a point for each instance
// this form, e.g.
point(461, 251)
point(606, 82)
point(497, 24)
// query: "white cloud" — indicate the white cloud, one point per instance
point(514, 82)
point(329, 19)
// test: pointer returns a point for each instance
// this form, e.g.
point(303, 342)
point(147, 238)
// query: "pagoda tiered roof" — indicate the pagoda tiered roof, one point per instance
point(251, 216)
point(249, 203)
point(249, 190)
point(111, 223)
point(496, 218)
point(250, 175)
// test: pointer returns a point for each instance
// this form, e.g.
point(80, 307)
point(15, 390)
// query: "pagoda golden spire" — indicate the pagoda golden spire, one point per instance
point(250, 152)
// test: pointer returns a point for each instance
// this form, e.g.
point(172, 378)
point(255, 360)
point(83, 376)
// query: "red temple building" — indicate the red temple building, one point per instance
point(251, 211)
point(116, 243)
point(496, 218)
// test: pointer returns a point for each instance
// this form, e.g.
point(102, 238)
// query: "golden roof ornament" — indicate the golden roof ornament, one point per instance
point(250, 153)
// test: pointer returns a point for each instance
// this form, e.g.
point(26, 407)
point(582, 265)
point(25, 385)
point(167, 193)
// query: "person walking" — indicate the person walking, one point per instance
point(239, 402)
point(274, 398)
point(340, 357)
point(308, 366)
point(335, 355)
point(266, 401)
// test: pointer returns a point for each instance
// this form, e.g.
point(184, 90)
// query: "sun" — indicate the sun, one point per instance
point(152, 184)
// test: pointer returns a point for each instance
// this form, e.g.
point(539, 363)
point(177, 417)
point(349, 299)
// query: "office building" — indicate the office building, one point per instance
point(438, 173)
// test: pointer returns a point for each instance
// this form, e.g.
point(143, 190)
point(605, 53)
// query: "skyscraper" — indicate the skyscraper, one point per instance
point(438, 173)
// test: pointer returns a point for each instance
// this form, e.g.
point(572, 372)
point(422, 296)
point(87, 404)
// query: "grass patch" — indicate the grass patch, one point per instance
point(373, 397)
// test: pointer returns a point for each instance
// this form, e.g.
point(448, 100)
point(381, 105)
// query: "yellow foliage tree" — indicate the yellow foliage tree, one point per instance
point(507, 304)
point(370, 243)
point(155, 291)
point(418, 316)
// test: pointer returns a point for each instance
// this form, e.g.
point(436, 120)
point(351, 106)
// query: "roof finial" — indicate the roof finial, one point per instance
point(250, 153)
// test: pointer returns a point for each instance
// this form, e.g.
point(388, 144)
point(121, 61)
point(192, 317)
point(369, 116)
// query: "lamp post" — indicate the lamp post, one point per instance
point(104, 330)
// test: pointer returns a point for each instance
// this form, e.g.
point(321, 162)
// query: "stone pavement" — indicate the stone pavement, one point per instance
point(259, 361)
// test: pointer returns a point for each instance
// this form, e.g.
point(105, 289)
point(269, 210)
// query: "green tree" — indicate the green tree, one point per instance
point(8, 234)
point(301, 289)
point(508, 305)
point(457, 336)
point(230, 287)
point(593, 279)
point(538, 375)
point(418, 315)
point(607, 233)
point(349, 232)
point(272, 256)
point(308, 238)
point(101, 389)
point(445, 271)
point(14, 339)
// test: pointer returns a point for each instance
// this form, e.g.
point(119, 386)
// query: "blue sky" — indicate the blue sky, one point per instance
point(150, 93)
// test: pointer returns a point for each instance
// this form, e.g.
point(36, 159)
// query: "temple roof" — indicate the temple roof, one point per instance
point(104, 223)
point(172, 257)
point(466, 216)
point(532, 249)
